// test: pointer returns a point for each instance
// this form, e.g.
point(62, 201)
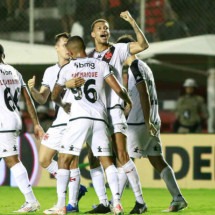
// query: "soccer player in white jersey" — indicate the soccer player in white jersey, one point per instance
point(144, 125)
point(11, 88)
point(115, 55)
point(51, 141)
point(88, 117)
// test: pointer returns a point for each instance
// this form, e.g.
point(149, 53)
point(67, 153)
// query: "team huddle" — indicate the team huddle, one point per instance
point(91, 106)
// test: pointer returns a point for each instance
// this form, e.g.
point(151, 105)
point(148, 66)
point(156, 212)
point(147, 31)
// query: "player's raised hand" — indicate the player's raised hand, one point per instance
point(75, 82)
point(38, 132)
point(31, 82)
point(126, 16)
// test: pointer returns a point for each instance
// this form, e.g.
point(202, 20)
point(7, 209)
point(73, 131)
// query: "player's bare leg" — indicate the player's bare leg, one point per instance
point(46, 155)
point(167, 174)
point(21, 177)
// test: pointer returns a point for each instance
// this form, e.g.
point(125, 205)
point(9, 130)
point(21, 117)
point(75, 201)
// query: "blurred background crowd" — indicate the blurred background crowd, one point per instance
point(160, 20)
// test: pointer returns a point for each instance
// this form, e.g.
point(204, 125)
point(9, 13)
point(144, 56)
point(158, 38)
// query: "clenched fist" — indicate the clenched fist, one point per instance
point(31, 82)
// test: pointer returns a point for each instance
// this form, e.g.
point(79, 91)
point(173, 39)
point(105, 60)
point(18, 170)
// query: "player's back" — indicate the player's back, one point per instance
point(138, 72)
point(90, 99)
point(11, 83)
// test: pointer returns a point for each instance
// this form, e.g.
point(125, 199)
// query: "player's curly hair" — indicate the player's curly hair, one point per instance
point(58, 36)
point(96, 21)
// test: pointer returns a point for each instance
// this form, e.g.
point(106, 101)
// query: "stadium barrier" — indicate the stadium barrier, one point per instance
point(192, 157)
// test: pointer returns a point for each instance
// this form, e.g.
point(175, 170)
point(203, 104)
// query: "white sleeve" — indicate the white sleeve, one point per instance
point(46, 79)
point(61, 79)
point(106, 69)
point(23, 84)
point(123, 51)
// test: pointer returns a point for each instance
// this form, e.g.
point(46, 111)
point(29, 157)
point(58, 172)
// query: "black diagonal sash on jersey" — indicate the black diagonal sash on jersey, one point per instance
point(136, 72)
point(108, 55)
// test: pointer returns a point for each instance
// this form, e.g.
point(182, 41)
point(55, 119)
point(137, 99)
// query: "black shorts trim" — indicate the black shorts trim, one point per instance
point(54, 126)
point(115, 107)
point(9, 131)
point(141, 123)
point(90, 118)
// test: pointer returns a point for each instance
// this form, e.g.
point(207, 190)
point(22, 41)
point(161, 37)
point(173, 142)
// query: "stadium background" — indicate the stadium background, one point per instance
point(28, 37)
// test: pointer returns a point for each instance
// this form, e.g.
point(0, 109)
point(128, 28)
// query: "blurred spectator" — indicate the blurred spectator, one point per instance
point(12, 12)
point(153, 17)
point(77, 29)
point(112, 10)
point(67, 9)
point(3, 11)
point(191, 110)
point(44, 118)
point(171, 28)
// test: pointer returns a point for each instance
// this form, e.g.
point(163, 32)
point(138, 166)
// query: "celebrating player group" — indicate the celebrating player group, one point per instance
point(118, 123)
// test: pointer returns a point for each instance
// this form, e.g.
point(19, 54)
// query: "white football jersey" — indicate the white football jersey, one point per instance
point(49, 80)
point(115, 56)
point(11, 83)
point(90, 99)
point(138, 72)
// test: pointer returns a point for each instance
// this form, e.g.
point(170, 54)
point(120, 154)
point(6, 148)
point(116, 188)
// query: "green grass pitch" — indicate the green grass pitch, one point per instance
point(201, 201)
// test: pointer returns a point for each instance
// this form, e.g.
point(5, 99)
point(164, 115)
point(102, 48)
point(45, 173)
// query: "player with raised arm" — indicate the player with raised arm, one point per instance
point(115, 55)
point(144, 126)
point(11, 88)
point(88, 118)
point(51, 141)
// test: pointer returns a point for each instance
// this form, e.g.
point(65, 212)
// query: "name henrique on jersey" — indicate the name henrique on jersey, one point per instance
point(137, 73)
point(115, 56)
point(11, 83)
point(49, 80)
point(90, 99)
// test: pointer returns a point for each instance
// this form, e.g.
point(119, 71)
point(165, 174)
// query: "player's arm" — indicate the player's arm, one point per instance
point(39, 96)
point(142, 43)
point(119, 89)
point(146, 105)
point(38, 131)
point(56, 97)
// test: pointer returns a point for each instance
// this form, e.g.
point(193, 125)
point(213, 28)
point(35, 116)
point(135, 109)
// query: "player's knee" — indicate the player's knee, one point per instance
point(11, 161)
point(44, 162)
point(93, 161)
point(64, 162)
point(122, 157)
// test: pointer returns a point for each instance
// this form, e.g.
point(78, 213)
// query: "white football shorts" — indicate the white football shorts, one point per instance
point(53, 137)
point(9, 144)
point(92, 131)
point(141, 144)
point(117, 121)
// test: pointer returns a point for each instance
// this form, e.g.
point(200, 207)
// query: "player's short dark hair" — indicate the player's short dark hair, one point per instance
point(58, 36)
point(76, 41)
point(127, 38)
point(96, 21)
point(2, 55)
